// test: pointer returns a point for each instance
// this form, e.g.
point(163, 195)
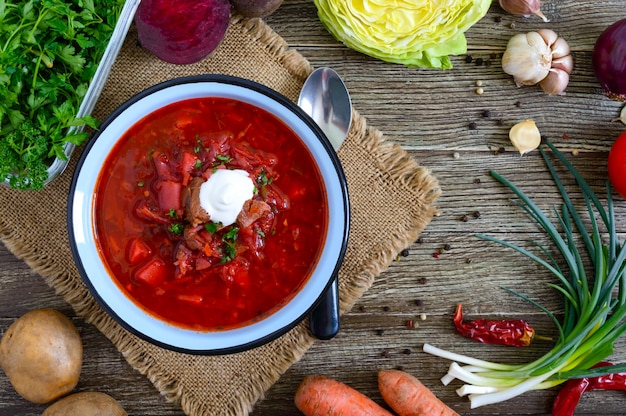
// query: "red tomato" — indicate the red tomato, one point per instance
point(617, 164)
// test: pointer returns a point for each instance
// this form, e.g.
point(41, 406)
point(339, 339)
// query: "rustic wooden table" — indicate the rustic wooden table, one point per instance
point(439, 118)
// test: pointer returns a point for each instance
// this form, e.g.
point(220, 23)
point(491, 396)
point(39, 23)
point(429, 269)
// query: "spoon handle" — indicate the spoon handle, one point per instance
point(324, 320)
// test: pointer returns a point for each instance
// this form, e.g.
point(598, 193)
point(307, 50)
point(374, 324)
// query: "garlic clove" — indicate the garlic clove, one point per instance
point(565, 63)
point(527, 58)
point(560, 48)
point(548, 35)
point(537, 41)
point(525, 136)
point(555, 83)
point(523, 7)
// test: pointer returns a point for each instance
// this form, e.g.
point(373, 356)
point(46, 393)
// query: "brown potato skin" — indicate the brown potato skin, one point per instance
point(42, 355)
point(88, 403)
point(256, 8)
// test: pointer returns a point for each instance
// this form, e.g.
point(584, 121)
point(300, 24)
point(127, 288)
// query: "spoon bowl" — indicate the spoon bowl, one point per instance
point(325, 98)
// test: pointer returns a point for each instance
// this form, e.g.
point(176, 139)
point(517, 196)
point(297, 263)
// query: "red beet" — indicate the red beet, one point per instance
point(182, 31)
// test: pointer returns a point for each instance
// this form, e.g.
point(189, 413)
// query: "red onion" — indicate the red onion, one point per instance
point(609, 60)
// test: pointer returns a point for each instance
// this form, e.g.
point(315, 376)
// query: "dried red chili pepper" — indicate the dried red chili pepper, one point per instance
point(516, 332)
point(568, 397)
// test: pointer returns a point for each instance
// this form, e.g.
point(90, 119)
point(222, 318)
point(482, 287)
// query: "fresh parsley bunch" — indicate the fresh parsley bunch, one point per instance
point(49, 52)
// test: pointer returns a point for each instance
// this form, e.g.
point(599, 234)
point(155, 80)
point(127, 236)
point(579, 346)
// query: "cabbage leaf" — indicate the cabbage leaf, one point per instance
point(415, 33)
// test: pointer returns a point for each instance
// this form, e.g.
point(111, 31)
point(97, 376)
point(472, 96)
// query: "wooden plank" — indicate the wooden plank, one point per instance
point(429, 113)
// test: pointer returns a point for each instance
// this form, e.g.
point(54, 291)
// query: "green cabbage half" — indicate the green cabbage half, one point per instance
point(416, 33)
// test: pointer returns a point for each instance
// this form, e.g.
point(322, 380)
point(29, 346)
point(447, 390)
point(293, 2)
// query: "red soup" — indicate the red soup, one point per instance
point(169, 255)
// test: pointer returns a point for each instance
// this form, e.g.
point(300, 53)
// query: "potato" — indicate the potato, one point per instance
point(256, 8)
point(88, 403)
point(42, 355)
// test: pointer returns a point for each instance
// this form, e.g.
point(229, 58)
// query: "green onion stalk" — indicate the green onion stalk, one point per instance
point(594, 306)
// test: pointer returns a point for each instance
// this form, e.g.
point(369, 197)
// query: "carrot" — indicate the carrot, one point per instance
point(321, 395)
point(407, 396)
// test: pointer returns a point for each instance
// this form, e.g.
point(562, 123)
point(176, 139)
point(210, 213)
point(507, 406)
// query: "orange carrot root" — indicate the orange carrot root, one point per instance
point(407, 396)
point(324, 396)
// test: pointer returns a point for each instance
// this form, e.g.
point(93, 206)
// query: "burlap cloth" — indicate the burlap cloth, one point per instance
point(392, 200)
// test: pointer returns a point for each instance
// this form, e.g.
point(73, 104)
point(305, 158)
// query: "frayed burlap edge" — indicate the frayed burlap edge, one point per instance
point(278, 47)
point(401, 168)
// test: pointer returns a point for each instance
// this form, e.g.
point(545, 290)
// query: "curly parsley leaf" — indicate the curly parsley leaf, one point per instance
point(49, 51)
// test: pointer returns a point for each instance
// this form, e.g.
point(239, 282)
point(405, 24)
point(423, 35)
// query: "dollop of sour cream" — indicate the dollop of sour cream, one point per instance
point(222, 196)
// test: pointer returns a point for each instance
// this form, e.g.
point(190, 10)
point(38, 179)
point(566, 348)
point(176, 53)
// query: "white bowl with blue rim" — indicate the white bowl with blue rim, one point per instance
point(117, 304)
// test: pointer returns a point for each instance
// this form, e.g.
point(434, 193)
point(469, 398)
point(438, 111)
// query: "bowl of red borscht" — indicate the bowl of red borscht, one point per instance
point(208, 214)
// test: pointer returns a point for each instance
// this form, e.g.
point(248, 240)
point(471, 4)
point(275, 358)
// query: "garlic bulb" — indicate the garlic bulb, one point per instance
point(523, 7)
point(525, 136)
point(540, 57)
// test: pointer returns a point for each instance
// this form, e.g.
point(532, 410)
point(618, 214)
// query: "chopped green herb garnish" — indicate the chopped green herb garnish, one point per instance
point(172, 213)
point(140, 184)
point(198, 164)
point(231, 234)
point(221, 160)
point(263, 180)
point(177, 229)
point(229, 253)
point(230, 245)
point(212, 227)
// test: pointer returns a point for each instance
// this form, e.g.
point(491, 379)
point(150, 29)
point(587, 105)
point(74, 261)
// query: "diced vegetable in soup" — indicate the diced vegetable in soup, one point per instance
point(165, 205)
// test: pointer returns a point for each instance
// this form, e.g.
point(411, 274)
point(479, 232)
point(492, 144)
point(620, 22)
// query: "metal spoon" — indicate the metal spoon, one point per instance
point(325, 98)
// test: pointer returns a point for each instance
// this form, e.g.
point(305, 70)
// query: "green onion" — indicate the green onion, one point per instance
point(594, 306)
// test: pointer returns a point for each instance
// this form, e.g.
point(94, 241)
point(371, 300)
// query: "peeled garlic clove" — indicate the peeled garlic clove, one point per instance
point(525, 136)
point(523, 7)
point(555, 82)
point(527, 58)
